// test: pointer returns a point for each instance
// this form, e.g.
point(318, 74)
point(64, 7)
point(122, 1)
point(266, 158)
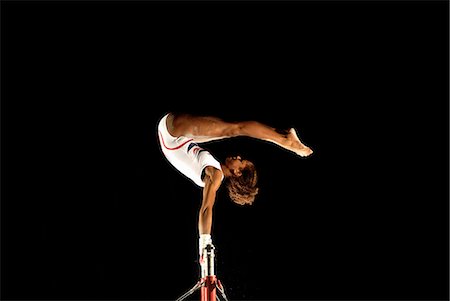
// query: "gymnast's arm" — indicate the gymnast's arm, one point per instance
point(213, 179)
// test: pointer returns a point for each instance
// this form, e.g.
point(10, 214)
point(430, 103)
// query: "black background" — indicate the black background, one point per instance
point(91, 209)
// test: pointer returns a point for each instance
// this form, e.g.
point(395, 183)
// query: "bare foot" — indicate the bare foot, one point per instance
point(295, 145)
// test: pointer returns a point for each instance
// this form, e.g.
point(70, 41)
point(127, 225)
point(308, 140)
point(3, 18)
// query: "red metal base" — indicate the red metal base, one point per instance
point(208, 291)
point(208, 287)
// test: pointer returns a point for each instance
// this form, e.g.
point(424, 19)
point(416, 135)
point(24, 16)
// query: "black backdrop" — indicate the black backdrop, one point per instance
point(91, 210)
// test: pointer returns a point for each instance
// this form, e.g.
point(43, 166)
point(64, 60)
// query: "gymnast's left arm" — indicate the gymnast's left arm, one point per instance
point(213, 179)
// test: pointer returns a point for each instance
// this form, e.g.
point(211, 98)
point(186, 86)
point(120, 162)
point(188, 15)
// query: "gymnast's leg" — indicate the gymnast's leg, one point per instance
point(208, 128)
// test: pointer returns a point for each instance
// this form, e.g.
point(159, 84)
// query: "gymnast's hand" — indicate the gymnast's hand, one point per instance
point(203, 242)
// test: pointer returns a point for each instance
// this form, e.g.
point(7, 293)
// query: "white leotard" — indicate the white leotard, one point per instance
point(185, 154)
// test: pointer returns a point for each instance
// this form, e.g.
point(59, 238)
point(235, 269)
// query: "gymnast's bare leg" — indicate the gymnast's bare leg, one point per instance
point(208, 128)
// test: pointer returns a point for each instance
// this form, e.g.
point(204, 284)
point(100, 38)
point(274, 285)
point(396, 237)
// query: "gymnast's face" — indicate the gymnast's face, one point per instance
point(236, 164)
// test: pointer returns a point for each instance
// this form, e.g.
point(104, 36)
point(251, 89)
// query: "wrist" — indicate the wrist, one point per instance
point(205, 239)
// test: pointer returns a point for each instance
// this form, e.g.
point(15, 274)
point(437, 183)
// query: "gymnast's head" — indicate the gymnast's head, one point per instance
point(241, 180)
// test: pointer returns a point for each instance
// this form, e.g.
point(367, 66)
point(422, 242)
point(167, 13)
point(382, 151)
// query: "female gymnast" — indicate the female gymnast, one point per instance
point(180, 136)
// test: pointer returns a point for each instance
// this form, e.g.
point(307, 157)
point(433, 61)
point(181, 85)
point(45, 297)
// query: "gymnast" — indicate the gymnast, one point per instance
point(180, 137)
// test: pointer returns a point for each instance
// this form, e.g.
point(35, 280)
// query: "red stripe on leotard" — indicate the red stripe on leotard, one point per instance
point(172, 148)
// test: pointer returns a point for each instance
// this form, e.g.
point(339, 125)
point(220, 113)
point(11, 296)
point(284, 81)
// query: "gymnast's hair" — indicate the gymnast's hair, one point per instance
point(242, 190)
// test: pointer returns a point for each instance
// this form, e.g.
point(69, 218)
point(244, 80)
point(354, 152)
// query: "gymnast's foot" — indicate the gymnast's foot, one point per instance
point(294, 144)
